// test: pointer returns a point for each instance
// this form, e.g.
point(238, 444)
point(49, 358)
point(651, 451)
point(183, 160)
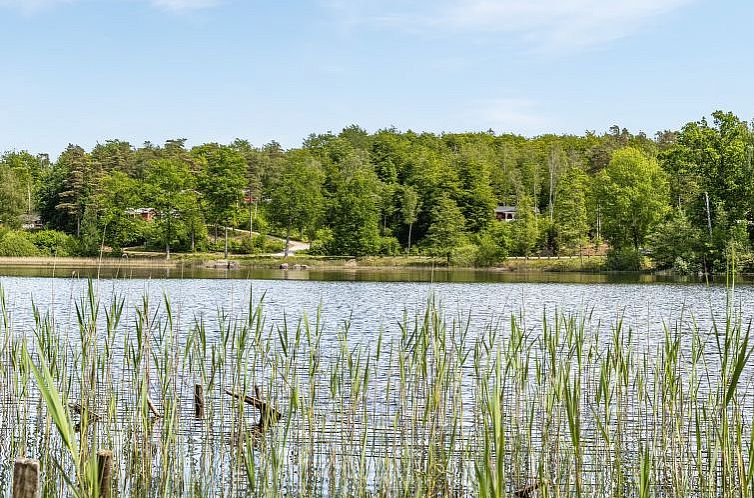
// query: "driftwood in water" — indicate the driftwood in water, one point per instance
point(268, 415)
point(527, 491)
point(152, 408)
point(79, 410)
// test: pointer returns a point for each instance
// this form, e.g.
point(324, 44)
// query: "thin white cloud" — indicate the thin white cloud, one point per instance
point(184, 5)
point(546, 24)
point(31, 6)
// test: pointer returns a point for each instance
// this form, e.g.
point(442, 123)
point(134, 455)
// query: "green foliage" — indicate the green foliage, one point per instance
point(410, 208)
point(570, 210)
point(170, 191)
point(260, 244)
point(367, 190)
point(17, 245)
point(11, 197)
point(525, 229)
point(632, 194)
point(676, 244)
point(353, 212)
point(623, 259)
point(222, 179)
point(493, 244)
point(79, 180)
point(464, 255)
point(53, 243)
point(447, 231)
point(322, 239)
point(90, 241)
point(296, 198)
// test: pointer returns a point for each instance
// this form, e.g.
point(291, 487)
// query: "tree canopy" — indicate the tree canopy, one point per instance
point(357, 193)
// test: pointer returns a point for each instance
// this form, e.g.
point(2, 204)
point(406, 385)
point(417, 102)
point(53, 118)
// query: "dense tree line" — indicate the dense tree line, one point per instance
point(684, 197)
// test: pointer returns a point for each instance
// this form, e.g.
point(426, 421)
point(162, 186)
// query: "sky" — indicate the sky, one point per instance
point(85, 71)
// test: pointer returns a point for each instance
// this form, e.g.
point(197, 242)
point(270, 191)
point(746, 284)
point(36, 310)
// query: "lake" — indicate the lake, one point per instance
point(374, 300)
point(378, 395)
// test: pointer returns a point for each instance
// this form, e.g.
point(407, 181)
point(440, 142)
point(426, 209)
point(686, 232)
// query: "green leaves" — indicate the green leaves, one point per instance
point(54, 404)
point(632, 195)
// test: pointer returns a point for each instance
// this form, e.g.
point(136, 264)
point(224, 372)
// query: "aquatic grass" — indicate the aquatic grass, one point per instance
point(432, 406)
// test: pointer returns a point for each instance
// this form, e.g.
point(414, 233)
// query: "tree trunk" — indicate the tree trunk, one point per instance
point(226, 242)
point(251, 223)
point(167, 240)
point(410, 227)
point(287, 238)
point(193, 239)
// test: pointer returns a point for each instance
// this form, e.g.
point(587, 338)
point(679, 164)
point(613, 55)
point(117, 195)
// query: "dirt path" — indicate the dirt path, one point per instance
point(293, 248)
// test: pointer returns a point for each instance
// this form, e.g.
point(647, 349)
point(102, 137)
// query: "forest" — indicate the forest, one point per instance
point(680, 200)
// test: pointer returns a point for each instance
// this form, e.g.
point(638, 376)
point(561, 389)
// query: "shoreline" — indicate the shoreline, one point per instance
point(590, 264)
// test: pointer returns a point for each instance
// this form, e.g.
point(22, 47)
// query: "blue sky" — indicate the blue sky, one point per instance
point(85, 71)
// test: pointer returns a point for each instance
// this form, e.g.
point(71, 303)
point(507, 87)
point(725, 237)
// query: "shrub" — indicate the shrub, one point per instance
point(623, 259)
point(322, 239)
point(273, 245)
point(389, 246)
point(53, 243)
point(464, 255)
point(676, 244)
point(492, 245)
point(17, 245)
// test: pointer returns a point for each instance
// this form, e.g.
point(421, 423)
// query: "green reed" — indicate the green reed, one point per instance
point(433, 407)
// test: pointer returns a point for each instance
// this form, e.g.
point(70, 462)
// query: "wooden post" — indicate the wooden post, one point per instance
point(199, 401)
point(105, 473)
point(25, 478)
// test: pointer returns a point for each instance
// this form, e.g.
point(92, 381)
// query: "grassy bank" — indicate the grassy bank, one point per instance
point(157, 260)
point(431, 407)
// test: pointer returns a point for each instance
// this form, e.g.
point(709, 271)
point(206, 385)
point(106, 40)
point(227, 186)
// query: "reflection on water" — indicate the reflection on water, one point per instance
point(362, 274)
point(373, 305)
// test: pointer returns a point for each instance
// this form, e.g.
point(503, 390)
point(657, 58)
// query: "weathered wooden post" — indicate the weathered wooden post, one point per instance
point(199, 401)
point(25, 478)
point(105, 473)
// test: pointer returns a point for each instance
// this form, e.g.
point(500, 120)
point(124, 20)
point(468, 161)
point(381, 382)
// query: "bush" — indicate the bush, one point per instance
point(624, 259)
point(53, 243)
point(492, 245)
point(676, 244)
point(389, 246)
point(464, 255)
point(322, 239)
point(17, 245)
point(273, 245)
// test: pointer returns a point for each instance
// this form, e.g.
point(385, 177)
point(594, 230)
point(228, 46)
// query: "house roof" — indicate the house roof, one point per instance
point(505, 209)
point(144, 210)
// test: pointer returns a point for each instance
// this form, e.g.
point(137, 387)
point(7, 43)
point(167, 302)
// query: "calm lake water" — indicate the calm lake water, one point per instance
point(374, 301)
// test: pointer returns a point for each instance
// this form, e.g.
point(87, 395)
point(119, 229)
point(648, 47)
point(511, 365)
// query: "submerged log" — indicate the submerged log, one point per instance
point(77, 409)
point(527, 491)
point(268, 415)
